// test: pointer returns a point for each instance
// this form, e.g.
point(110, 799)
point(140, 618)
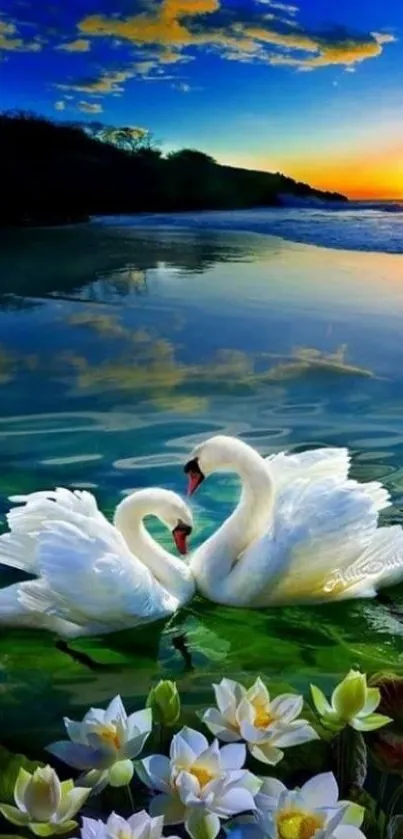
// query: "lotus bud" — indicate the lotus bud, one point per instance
point(165, 703)
point(121, 773)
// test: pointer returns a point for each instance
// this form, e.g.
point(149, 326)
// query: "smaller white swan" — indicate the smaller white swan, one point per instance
point(303, 532)
point(93, 577)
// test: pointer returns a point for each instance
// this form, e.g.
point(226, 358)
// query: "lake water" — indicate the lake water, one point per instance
point(121, 346)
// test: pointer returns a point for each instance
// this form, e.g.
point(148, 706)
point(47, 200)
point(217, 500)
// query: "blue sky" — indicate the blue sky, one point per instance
point(311, 87)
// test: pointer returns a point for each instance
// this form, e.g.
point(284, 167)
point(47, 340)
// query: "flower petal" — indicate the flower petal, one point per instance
point(72, 803)
point(320, 702)
point(13, 815)
point(202, 825)
point(258, 693)
point(234, 801)
point(21, 784)
point(78, 756)
point(155, 772)
point(75, 730)
point(134, 746)
point(349, 697)
point(372, 701)
point(168, 806)
point(347, 831)
point(228, 695)
point(353, 813)
point(370, 723)
point(233, 756)
point(186, 746)
point(287, 707)
point(266, 753)
point(115, 710)
point(320, 791)
point(188, 788)
point(219, 726)
point(292, 735)
point(269, 794)
point(140, 721)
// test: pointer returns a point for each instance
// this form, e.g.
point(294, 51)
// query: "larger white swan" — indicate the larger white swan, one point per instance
point(303, 532)
point(93, 577)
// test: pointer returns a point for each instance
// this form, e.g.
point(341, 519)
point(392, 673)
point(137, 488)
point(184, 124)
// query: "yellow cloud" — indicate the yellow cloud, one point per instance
point(79, 45)
point(60, 105)
point(107, 82)
point(177, 24)
point(8, 41)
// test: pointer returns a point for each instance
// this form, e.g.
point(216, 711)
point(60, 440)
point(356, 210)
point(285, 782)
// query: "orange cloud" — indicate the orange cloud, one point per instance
point(79, 45)
point(237, 34)
point(8, 41)
point(107, 82)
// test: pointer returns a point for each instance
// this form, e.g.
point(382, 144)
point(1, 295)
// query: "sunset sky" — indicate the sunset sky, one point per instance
point(312, 88)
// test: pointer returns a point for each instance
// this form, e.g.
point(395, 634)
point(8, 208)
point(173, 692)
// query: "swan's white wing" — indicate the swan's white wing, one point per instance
point(311, 465)
point(320, 530)
point(18, 547)
point(89, 575)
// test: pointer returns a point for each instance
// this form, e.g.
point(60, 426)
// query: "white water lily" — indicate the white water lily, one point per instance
point(104, 744)
point(44, 804)
point(352, 703)
point(267, 726)
point(199, 784)
point(314, 810)
point(138, 826)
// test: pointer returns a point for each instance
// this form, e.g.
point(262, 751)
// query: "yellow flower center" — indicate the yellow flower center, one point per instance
point(109, 734)
point(263, 717)
point(298, 825)
point(202, 774)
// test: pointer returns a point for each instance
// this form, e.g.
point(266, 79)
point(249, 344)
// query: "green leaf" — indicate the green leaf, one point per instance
point(10, 765)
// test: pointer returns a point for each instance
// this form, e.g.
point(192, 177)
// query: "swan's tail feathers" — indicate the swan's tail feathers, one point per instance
point(17, 550)
point(312, 465)
point(28, 605)
point(380, 496)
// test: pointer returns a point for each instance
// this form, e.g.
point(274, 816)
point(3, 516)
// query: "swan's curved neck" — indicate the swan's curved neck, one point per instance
point(172, 573)
point(214, 560)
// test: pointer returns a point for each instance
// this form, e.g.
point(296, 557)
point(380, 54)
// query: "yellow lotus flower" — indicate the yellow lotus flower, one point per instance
point(44, 804)
point(352, 703)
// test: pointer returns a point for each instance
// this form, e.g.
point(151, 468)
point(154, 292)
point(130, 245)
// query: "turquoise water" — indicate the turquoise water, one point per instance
point(120, 348)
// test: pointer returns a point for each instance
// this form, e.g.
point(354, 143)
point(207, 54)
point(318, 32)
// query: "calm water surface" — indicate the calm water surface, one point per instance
point(120, 347)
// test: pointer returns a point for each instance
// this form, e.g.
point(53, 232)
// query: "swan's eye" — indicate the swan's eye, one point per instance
point(180, 535)
point(192, 469)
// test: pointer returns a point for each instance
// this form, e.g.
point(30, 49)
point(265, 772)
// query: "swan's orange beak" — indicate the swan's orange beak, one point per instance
point(180, 536)
point(195, 475)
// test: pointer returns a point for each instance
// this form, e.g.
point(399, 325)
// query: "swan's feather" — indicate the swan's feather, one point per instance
point(321, 531)
point(89, 574)
point(18, 547)
point(317, 463)
point(24, 605)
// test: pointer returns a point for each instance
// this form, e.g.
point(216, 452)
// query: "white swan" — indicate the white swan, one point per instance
point(93, 577)
point(303, 532)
